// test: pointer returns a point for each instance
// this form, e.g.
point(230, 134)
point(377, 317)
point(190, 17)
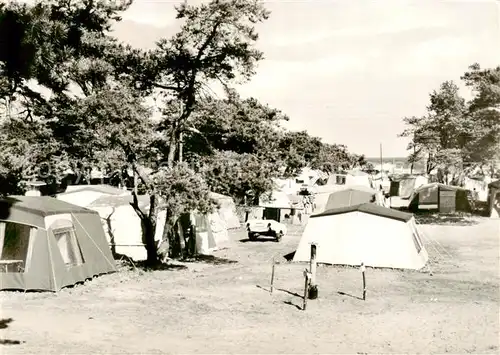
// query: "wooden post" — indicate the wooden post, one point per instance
point(363, 269)
point(272, 277)
point(306, 288)
point(313, 287)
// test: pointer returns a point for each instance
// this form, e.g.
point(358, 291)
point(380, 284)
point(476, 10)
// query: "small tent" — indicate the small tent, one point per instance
point(211, 232)
point(276, 199)
point(227, 210)
point(84, 195)
point(404, 187)
point(354, 196)
point(351, 178)
point(444, 198)
point(374, 235)
point(47, 244)
point(321, 195)
point(494, 199)
point(480, 185)
point(122, 225)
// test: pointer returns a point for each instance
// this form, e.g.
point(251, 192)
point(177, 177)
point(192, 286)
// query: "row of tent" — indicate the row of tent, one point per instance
point(47, 243)
point(355, 226)
point(421, 195)
point(123, 227)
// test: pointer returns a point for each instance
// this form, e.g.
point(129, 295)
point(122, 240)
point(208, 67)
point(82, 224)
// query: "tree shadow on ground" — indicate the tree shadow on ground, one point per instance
point(209, 259)
point(282, 290)
point(290, 303)
point(442, 219)
point(263, 288)
point(129, 264)
point(4, 323)
point(258, 240)
point(349, 295)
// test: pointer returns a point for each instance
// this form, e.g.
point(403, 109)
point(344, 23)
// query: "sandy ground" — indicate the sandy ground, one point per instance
point(226, 307)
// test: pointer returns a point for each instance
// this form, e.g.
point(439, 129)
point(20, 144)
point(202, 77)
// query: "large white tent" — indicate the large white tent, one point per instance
point(122, 225)
point(374, 235)
point(350, 178)
point(84, 195)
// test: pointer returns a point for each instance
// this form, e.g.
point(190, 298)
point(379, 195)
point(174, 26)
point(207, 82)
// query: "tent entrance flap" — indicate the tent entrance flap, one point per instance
point(47, 244)
point(93, 241)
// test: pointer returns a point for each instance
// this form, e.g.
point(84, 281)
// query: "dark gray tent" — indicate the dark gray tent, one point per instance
point(47, 244)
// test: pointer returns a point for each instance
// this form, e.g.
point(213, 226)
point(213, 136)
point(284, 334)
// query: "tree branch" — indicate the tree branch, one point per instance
point(166, 87)
point(135, 206)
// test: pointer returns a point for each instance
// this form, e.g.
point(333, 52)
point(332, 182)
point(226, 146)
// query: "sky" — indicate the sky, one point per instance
point(348, 71)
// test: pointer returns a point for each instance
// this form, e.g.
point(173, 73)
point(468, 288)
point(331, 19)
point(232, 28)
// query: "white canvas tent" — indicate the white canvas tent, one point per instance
point(404, 186)
point(277, 199)
point(227, 210)
point(367, 233)
point(354, 194)
point(123, 226)
point(480, 185)
point(351, 178)
point(211, 232)
point(282, 207)
point(84, 195)
point(122, 223)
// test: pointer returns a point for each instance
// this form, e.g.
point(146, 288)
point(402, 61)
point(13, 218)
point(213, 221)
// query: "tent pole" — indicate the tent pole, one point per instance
point(313, 287)
point(52, 261)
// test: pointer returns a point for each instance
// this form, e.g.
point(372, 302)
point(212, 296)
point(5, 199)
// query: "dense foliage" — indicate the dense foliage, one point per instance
point(74, 100)
point(456, 137)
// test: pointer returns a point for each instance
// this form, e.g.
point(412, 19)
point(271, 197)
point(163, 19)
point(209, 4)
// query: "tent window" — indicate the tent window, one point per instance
point(14, 241)
point(68, 246)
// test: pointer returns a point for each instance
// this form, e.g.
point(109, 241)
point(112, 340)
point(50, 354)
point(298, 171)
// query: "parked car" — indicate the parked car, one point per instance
point(265, 227)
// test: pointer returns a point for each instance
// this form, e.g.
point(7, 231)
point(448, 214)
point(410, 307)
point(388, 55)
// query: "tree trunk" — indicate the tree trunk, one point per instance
point(111, 234)
point(151, 245)
point(148, 220)
point(172, 149)
point(170, 237)
point(186, 230)
point(148, 224)
point(88, 175)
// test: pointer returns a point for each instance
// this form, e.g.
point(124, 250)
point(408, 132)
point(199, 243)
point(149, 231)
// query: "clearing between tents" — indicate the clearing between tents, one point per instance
point(226, 307)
